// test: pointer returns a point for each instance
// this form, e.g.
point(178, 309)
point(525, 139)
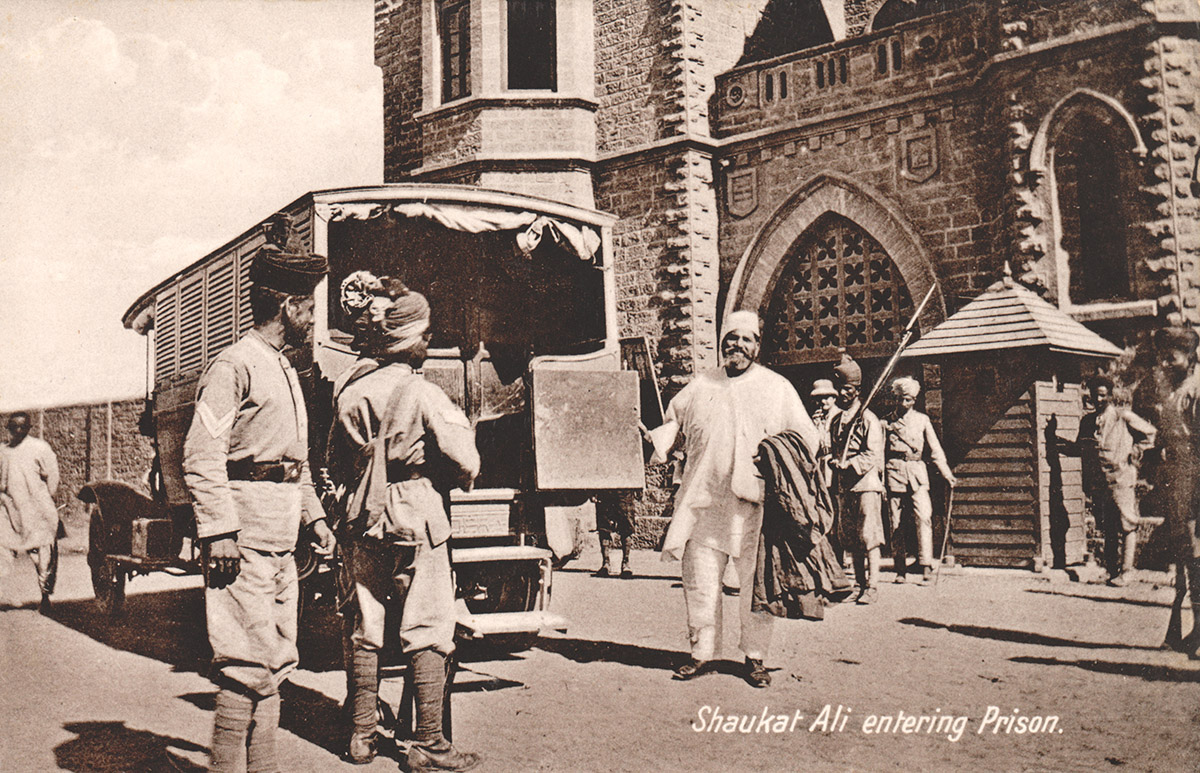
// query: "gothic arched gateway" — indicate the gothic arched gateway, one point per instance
point(837, 288)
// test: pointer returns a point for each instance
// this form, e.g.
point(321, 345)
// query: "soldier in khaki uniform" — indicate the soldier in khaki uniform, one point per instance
point(398, 444)
point(909, 436)
point(246, 465)
point(856, 455)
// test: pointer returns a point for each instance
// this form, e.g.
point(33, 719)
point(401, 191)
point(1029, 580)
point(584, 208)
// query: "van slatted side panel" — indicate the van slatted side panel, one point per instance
point(219, 311)
point(245, 320)
point(191, 323)
point(166, 334)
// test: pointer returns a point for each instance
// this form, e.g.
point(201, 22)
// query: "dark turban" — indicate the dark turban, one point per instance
point(293, 273)
point(285, 264)
point(848, 372)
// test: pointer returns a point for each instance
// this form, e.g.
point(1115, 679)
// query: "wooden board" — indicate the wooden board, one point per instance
point(585, 433)
point(635, 356)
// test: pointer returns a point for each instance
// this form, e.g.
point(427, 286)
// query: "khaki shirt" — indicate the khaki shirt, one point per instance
point(865, 454)
point(429, 438)
point(249, 406)
point(908, 439)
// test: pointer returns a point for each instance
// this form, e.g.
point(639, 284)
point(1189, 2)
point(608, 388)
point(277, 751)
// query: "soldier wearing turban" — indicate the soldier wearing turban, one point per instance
point(245, 463)
point(910, 437)
point(718, 421)
point(856, 454)
point(397, 445)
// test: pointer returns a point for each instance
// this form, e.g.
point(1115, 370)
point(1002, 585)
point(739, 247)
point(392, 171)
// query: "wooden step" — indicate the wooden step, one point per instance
point(991, 509)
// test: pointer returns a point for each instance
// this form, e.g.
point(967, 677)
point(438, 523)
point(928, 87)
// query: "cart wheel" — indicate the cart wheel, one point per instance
point(108, 583)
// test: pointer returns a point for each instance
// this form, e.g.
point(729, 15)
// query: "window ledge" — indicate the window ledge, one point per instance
point(1097, 312)
point(523, 99)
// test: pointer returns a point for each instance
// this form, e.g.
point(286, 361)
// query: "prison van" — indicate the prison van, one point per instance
point(524, 341)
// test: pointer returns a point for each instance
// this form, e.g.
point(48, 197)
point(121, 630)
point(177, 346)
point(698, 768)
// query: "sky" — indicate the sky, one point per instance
point(138, 135)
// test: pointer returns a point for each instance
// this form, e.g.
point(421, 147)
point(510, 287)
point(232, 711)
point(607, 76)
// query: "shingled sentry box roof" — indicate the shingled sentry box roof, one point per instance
point(1009, 315)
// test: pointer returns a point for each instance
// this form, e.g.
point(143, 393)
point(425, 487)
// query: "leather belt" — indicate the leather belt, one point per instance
point(398, 471)
point(275, 472)
point(908, 457)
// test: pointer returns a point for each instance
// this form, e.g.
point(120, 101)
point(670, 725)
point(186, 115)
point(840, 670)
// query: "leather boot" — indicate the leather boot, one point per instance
point(364, 703)
point(430, 749)
point(757, 674)
point(421, 759)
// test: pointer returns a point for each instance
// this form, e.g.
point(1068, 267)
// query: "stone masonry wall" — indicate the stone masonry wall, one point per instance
point(96, 441)
point(980, 204)
point(398, 55)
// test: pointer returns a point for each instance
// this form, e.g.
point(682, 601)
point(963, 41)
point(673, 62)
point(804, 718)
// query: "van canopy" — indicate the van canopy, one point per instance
point(531, 228)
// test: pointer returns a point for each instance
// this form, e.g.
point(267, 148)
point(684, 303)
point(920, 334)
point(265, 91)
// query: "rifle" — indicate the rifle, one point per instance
point(905, 337)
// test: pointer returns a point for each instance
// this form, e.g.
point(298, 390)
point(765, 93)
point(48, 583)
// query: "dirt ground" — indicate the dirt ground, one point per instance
point(1078, 662)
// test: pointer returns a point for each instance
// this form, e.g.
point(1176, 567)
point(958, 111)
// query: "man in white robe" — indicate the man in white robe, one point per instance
point(717, 421)
point(28, 516)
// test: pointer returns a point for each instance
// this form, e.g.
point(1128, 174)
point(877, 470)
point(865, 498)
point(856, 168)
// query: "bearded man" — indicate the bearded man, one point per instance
point(856, 455)
point(717, 421)
point(245, 462)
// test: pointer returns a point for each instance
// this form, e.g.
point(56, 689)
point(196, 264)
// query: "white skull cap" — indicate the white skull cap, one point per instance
point(746, 321)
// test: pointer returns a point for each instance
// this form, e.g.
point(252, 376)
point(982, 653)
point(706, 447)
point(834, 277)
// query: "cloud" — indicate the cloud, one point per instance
point(127, 153)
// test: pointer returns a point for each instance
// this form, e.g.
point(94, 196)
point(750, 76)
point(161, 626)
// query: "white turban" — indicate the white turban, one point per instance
point(744, 321)
point(906, 386)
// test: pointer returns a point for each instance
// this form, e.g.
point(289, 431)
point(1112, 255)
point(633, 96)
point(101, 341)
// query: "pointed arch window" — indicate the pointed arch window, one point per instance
point(1091, 160)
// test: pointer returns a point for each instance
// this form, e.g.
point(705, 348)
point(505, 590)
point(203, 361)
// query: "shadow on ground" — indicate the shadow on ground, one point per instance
point(1103, 599)
point(1145, 671)
point(1021, 637)
point(590, 651)
point(167, 626)
point(111, 747)
point(306, 713)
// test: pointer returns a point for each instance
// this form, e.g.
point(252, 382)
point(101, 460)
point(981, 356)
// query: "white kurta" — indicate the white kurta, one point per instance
point(28, 480)
point(718, 422)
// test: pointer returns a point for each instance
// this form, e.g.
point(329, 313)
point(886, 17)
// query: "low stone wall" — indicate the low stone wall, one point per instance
point(93, 441)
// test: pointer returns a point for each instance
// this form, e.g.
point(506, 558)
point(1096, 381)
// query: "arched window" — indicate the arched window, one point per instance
point(1094, 185)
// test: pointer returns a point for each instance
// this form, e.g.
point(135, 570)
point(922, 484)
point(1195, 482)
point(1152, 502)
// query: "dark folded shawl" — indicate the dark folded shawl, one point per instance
point(797, 572)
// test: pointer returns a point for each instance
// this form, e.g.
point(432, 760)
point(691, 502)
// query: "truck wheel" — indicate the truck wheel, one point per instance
point(108, 583)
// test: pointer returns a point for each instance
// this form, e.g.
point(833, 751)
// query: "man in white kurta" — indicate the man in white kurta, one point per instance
point(717, 421)
point(28, 517)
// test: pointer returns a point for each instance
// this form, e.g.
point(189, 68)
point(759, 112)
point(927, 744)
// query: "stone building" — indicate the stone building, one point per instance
point(826, 162)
